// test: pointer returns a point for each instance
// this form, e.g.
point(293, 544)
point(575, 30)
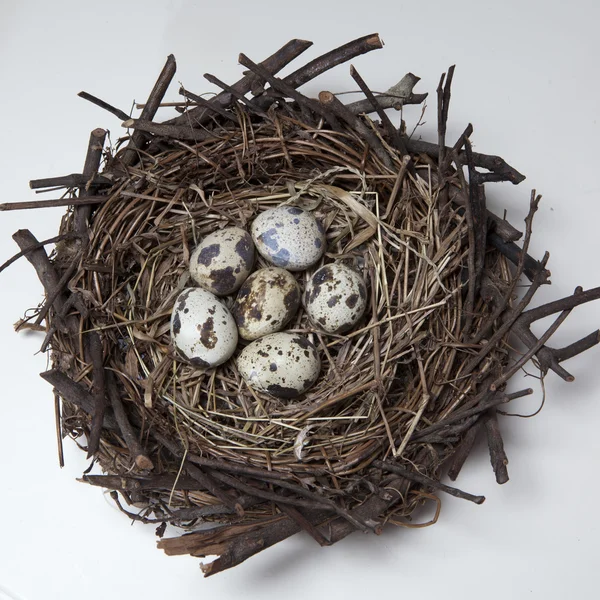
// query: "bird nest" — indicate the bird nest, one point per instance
point(400, 397)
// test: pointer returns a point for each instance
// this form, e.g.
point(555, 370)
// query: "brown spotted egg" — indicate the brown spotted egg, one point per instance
point(281, 364)
point(289, 237)
point(202, 329)
point(335, 298)
point(266, 302)
point(223, 261)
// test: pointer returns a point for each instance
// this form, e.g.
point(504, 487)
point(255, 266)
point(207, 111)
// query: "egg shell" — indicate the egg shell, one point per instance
point(289, 237)
point(335, 298)
point(223, 260)
point(266, 302)
point(202, 328)
point(281, 364)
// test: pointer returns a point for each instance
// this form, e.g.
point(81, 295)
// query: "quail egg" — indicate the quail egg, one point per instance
point(281, 364)
point(289, 237)
point(223, 261)
point(266, 302)
point(202, 329)
point(335, 298)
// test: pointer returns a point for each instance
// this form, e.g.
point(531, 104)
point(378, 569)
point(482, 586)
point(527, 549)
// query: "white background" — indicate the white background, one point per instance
point(527, 79)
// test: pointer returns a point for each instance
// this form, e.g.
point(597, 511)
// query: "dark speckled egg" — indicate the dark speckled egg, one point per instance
point(266, 302)
point(289, 237)
point(202, 329)
point(335, 298)
point(223, 261)
point(282, 364)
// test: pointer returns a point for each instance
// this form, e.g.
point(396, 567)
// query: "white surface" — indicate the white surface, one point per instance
point(526, 78)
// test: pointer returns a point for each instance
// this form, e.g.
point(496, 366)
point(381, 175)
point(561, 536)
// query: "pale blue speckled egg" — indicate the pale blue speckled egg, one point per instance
point(289, 237)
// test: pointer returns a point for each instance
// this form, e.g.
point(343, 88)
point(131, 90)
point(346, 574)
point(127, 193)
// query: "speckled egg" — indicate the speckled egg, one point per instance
point(266, 302)
point(202, 329)
point(282, 364)
point(289, 237)
point(335, 298)
point(223, 261)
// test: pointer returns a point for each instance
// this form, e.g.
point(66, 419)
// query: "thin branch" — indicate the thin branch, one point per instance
point(427, 481)
point(53, 240)
point(94, 355)
point(396, 97)
point(391, 131)
point(462, 451)
point(53, 203)
point(45, 270)
point(329, 101)
point(90, 168)
point(496, 445)
point(208, 105)
point(333, 58)
point(155, 98)
point(120, 114)
point(70, 181)
point(287, 90)
point(492, 163)
point(273, 64)
point(139, 456)
point(550, 358)
point(176, 132)
point(237, 95)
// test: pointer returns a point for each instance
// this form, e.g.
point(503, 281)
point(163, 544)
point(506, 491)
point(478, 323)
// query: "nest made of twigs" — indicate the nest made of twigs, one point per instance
point(405, 390)
point(401, 367)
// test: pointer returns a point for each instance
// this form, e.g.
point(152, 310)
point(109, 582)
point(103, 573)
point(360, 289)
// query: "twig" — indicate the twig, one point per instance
point(70, 181)
point(493, 163)
point(496, 446)
point(487, 400)
point(72, 300)
point(105, 105)
point(463, 450)
point(550, 358)
point(94, 355)
point(90, 168)
point(44, 269)
point(53, 203)
point(238, 95)
point(287, 90)
point(391, 131)
point(329, 101)
point(314, 502)
point(510, 318)
point(58, 423)
point(156, 96)
point(396, 97)
point(177, 132)
point(333, 58)
point(128, 483)
point(140, 457)
point(304, 523)
point(427, 481)
point(208, 105)
point(214, 488)
point(532, 268)
point(76, 394)
point(223, 465)
point(53, 240)
point(273, 64)
point(505, 300)
point(443, 106)
point(477, 231)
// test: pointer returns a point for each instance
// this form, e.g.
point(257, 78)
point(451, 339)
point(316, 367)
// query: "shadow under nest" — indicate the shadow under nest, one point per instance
point(399, 397)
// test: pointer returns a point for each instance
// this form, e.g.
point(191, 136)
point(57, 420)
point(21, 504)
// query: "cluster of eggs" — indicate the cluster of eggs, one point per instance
point(283, 364)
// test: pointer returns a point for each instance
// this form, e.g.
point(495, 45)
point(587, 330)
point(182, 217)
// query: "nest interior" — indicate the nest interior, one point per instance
point(399, 398)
